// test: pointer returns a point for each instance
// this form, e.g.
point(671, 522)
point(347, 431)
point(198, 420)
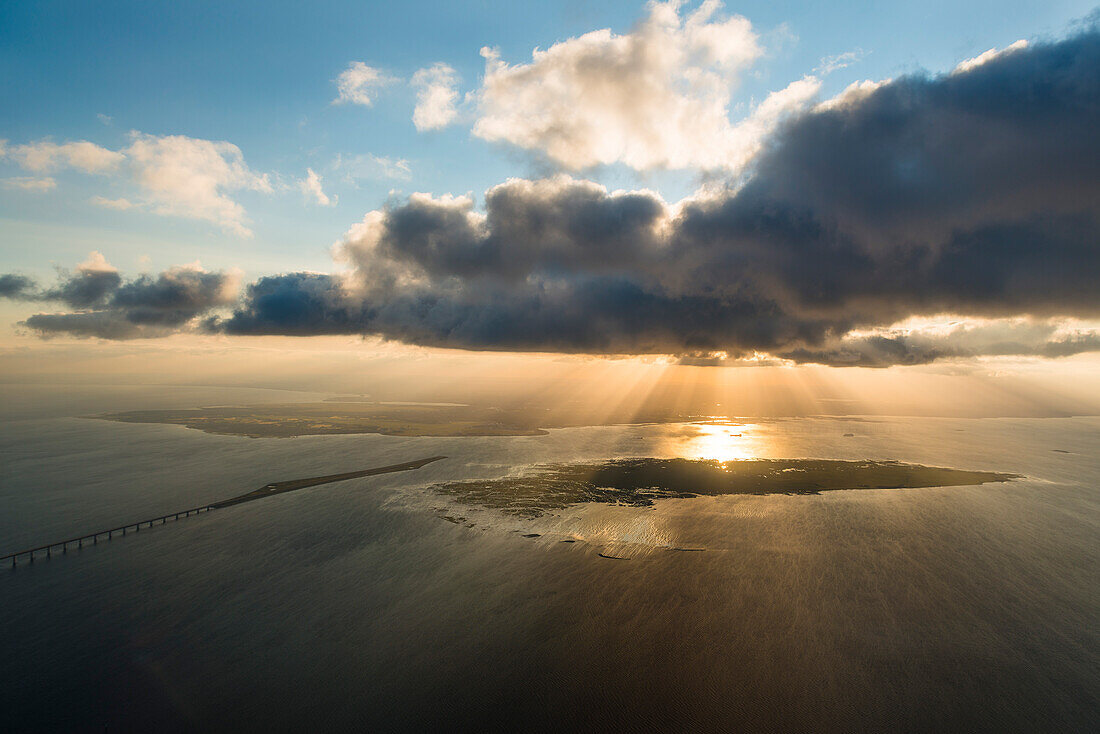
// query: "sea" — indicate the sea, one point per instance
point(378, 604)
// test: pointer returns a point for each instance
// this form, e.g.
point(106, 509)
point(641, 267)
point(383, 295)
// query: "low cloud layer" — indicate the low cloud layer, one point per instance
point(109, 307)
point(974, 193)
point(961, 340)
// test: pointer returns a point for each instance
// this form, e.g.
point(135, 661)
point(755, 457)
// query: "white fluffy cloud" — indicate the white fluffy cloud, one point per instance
point(358, 83)
point(46, 156)
point(176, 175)
point(96, 263)
point(311, 186)
point(190, 177)
point(436, 97)
point(657, 97)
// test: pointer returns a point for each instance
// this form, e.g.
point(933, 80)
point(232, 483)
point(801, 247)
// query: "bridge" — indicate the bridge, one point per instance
point(78, 542)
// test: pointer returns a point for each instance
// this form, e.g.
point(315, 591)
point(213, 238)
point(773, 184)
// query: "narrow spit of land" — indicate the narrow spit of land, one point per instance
point(265, 491)
point(289, 486)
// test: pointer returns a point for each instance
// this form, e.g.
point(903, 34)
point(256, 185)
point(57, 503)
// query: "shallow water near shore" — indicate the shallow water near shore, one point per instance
point(381, 604)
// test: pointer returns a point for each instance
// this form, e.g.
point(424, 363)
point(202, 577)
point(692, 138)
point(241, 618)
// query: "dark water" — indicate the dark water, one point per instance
point(356, 605)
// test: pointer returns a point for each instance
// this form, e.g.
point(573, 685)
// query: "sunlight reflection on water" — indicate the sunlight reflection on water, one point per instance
point(722, 441)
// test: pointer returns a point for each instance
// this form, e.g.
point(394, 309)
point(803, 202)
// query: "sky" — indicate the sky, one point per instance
point(777, 183)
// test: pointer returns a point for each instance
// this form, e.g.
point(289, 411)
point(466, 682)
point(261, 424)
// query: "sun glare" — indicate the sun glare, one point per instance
point(720, 441)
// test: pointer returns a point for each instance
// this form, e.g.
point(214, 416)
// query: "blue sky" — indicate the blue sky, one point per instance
point(260, 75)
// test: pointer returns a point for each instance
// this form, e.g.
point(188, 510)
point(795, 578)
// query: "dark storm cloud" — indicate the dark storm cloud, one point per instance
point(15, 286)
point(174, 297)
point(102, 324)
point(298, 304)
point(87, 288)
point(113, 309)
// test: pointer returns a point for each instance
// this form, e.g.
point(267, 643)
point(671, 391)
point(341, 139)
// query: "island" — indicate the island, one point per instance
point(640, 481)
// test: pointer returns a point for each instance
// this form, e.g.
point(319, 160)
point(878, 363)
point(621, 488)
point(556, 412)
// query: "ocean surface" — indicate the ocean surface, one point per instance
point(378, 604)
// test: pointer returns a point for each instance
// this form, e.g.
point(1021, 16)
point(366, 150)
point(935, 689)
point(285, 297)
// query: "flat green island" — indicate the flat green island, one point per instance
point(638, 482)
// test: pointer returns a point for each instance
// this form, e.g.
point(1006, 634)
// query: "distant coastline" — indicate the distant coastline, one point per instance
point(339, 418)
point(389, 418)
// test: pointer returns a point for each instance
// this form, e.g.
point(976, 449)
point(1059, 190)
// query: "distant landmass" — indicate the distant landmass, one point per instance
point(328, 418)
point(348, 416)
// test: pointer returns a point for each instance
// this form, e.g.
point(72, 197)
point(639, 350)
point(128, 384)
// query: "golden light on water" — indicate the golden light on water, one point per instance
point(721, 441)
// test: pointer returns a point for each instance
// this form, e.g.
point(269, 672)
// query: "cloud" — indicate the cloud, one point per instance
point(829, 64)
point(968, 64)
point(176, 175)
point(311, 186)
point(436, 97)
point(295, 304)
point(116, 204)
point(853, 94)
point(372, 167)
point(191, 177)
point(358, 83)
point(1013, 337)
point(39, 184)
point(657, 97)
point(110, 307)
point(89, 287)
point(45, 156)
point(975, 194)
point(16, 286)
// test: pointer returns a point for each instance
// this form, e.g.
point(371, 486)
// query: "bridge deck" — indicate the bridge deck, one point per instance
point(266, 491)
